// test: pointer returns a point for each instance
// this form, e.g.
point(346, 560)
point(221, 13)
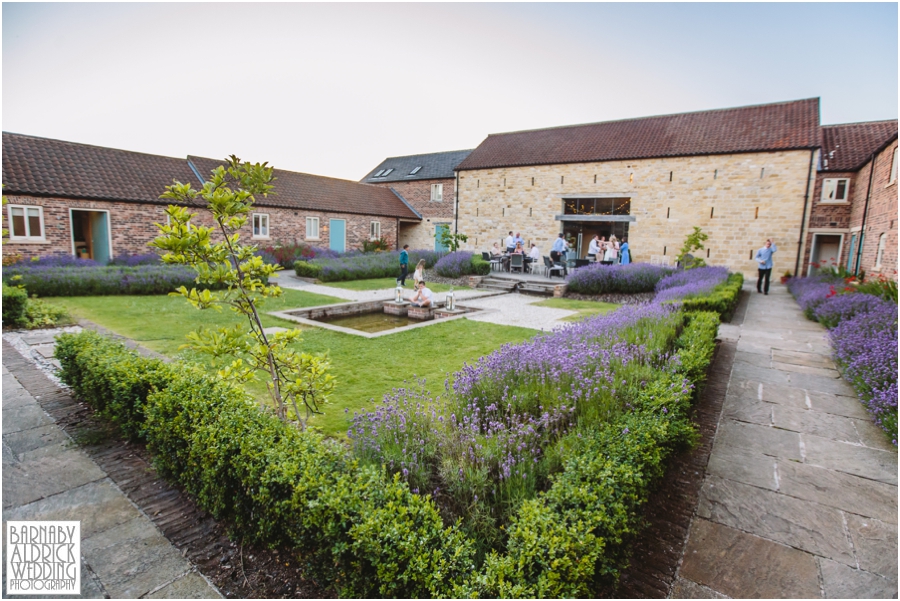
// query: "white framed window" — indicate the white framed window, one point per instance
point(260, 225)
point(312, 228)
point(437, 192)
point(882, 242)
point(25, 223)
point(375, 230)
point(893, 178)
point(836, 190)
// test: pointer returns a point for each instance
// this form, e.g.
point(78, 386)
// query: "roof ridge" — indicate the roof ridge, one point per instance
point(426, 154)
point(859, 123)
point(706, 111)
point(149, 154)
point(192, 156)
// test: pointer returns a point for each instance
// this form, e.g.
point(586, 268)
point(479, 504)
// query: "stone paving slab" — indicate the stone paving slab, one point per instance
point(848, 406)
point(760, 439)
point(27, 481)
point(843, 582)
point(744, 466)
point(835, 489)
point(876, 545)
point(801, 358)
point(740, 565)
point(834, 427)
point(767, 514)
point(687, 589)
point(867, 462)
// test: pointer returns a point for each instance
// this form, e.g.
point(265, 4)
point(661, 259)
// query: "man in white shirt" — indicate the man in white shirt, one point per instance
point(422, 296)
point(594, 248)
point(510, 243)
point(535, 254)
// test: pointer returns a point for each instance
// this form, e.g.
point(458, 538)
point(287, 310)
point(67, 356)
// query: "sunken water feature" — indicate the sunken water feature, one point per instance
point(371, 319)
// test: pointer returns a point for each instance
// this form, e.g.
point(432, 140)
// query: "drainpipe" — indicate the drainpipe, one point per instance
point(812, 155)
point(862, 231)
point(456, 210)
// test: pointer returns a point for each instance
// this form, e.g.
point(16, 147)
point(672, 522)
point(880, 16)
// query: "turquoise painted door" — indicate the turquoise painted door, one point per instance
point(100, 236)
point(438, 230)
point(337, 235)
point(851, 253)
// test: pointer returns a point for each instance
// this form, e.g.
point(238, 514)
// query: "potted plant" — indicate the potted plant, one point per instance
point(787, 275)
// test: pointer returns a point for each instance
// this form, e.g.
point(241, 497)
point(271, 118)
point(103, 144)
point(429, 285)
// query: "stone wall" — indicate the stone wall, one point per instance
point(738, 199)
point(418, 194)
point(132, 226)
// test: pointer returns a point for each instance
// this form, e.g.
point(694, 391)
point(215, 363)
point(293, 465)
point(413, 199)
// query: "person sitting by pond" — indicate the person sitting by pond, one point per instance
point(422, 296)
point(419, 273)
point(496, 253)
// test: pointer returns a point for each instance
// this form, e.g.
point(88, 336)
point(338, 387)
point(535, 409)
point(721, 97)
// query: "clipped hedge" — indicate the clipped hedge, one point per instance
point(14, 301)
point(367, 266)
point(722, 300)
point(101, 280)
point(366, 533)
point(305, 269)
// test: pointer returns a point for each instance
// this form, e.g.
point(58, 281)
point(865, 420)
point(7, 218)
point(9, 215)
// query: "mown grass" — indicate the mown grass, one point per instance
point(584, 308)
point(382, 283)
point(365, 368)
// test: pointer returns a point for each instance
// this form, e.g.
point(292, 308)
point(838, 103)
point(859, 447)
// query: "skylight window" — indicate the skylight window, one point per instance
point(380, 171)
point(386, 172)
point(416, 170)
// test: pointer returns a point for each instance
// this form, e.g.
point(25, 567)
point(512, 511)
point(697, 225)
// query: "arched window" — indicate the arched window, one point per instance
point(882, 241)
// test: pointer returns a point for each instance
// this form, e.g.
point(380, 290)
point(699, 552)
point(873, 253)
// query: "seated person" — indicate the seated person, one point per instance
point(422, 297)
point(496, 253)
point(518, 250)
point(535, 254)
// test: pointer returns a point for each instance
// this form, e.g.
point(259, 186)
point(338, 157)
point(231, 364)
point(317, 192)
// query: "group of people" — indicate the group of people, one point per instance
point(422, 297)
point(609, 251)
point(515, 245)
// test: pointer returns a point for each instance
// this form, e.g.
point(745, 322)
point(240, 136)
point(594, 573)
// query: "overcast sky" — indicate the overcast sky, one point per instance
point(333, 89)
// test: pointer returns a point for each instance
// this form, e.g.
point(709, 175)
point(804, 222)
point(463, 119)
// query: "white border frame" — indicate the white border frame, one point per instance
point(846, 200)
point(813, 247)
point(26, 239)
point(268, 235)
point(318, 235)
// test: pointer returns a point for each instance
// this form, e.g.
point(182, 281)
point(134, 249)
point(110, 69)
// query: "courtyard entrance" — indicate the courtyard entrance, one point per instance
point(589, 216)
point(90, 235)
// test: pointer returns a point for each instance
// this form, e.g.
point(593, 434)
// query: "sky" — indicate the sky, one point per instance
point(333, 89)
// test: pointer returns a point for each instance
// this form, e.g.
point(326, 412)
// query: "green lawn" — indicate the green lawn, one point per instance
point(584, 308)
point(382, 283)
point(365, 368)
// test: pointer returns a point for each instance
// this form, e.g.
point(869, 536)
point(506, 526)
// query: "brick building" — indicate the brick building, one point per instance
point(856, 191)
point(741, 174)
point(94, 202)
point(428, 183)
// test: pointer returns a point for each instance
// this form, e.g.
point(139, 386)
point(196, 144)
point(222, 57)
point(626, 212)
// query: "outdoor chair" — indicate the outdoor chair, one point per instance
point(548, 264)
point(495, 263)
point(582, 262)
point(517, 262)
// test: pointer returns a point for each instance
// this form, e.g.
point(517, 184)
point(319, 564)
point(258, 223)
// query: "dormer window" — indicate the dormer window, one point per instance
point(416, 170)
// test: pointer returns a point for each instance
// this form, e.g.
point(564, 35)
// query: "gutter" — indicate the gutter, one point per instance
point(812, 154)
point(862, 231)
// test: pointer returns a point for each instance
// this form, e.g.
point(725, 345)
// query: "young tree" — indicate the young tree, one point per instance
point(693, 242)
point(234, 268)
point(452, 241)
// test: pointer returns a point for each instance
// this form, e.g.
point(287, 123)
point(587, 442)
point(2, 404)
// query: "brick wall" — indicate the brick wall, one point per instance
point(132, 226)
point(882, 214)
point(828, 218)
point(418, 194)
point(754, 196)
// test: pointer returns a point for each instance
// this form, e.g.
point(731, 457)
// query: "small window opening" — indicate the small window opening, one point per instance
point(712, 210)
point(386, 172)
point(595, 178)
point(532, 181)
point(670, 175)
point(668, 212)
point(756, 216)
point(707, 253)
point(380, 171)
point(664, 250)
point(716, 174)
point(416, 170)
point(562, 179)
point(762, 172)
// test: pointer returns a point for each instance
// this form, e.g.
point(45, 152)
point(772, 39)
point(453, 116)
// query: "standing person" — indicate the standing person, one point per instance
point(764, 258)
point(422, 296)
point(593, 248)
point(404, 265)
point(519, 240)
point(510, 243)
point(612, 251)
point(559, 247)
point(419, 273)
point(626, 253)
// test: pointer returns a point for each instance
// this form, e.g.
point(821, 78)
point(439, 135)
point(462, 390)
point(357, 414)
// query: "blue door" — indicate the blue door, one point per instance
point(439, 229)
point(337, 235)
point(100, 237)
point(851, 253)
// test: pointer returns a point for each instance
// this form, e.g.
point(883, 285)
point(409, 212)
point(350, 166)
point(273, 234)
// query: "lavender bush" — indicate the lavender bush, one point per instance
point(363, 266)
point(488, 445)
point(455, 264)
point(690, 283)
point(135, 260)
point(863, 332)
point(630, 279)
point(52, 261)
point(98, 281)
